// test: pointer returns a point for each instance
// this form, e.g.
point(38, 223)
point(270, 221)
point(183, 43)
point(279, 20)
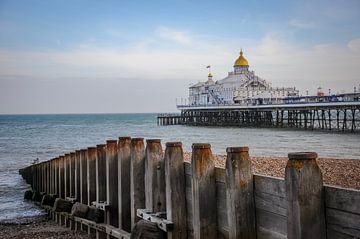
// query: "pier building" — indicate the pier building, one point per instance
point(240, 86)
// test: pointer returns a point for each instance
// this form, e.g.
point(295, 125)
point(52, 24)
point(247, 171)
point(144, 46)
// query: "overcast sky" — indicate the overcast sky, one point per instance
point(139, 56)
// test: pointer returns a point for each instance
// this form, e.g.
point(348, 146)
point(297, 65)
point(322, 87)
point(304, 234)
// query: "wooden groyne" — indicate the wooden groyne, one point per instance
point(126, 185)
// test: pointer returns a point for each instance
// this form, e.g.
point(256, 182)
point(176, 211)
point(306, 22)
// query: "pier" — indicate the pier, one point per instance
point(114, 189)
point(331, 116)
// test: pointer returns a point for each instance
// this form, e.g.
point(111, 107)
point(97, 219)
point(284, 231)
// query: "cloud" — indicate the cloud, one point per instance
point(284, 64)
point(354, 45)
point(302, 24)
point(180, 37)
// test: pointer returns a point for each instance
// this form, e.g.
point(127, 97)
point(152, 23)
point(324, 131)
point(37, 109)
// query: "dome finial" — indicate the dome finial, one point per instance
point(241, 61)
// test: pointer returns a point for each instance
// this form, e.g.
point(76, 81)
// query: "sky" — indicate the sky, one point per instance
point(141, 56)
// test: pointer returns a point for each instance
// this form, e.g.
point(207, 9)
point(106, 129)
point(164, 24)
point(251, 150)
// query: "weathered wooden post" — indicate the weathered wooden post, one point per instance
point(155, 197)
point(137, 183)
point(240, 193)
point(67, 174)
point(61, 177)
point(83, 176)
point(100, 173)
point(72, 175)
point(305, 197)
point(124, 157)
point(77, 175)
point(56, 176)
point(91, 175)
point(203, 192)
point(112, 215)
point(175, 190)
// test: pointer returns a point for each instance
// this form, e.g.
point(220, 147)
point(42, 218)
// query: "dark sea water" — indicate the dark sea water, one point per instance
point(23, 138)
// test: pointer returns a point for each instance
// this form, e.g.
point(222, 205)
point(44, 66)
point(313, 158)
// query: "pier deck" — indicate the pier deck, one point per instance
point(338, 116)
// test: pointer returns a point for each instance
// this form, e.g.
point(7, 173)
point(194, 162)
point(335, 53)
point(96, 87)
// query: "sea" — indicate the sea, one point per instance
point(25, 138)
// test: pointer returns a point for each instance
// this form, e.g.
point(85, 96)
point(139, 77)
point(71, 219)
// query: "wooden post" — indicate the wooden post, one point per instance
point(91, 174)
point(83, 176)
point(305, 197)
point(175, 190)
point(155, 197)
point(72, 174)
point(240, 193)
point(124, 157)
point(100, 173)
point(77, 175)
point(61, 177)
point(56, 176)
point(137, 183)
point(112, 215)
point(203, 192)
point(67, 175)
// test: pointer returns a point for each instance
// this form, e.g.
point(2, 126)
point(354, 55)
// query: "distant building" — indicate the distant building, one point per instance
point(240, 87)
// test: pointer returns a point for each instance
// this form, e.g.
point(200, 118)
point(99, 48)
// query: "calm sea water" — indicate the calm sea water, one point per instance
point(24, 138)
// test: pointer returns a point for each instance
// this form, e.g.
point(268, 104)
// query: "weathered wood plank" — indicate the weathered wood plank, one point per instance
point(345, 199)
point(100, 173)
point(83, 176)
point(239, 193)
point(124, 157)
point(305, 197)
point(137, 182)
point(175, 190)
point(77, 175)
point(270, 222)
point(203, 192)
point(270, 185)
point(343, 222)
point(91, 174)
point(270, 203)
point(72, 174)
point(112, 182)
point(155, 197)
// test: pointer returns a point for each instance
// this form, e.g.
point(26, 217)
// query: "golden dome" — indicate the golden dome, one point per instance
point(210, 75)
point(241, 61)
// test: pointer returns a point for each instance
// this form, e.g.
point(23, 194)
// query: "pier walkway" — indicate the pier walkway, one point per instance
point(338, 116)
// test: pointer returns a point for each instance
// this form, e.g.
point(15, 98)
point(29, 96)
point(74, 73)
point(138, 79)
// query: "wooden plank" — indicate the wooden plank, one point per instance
point(221, 206)
point(203, 192)
point(345, 199)
point(175, 190)
point(270, 185)
point(112, 182)
point(239, 193)
point(270, 222)
point(155, 197)
point(137, 175)
point(343, 222)
point(305, 197)
point(62, 177)
point(271, 203)
point(124, 157)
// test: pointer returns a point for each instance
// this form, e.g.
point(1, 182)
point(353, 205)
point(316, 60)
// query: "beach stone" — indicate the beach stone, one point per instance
point(94, 214)
point(147, 230)
point(47, 200)
point(28, 194)
point(79, 210)
point(62, 205)
point(37, 196)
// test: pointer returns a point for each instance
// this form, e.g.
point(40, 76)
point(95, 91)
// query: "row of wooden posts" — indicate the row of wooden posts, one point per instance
point(131, 181)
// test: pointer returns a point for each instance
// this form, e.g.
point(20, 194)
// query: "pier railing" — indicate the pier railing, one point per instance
point(130, 184)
